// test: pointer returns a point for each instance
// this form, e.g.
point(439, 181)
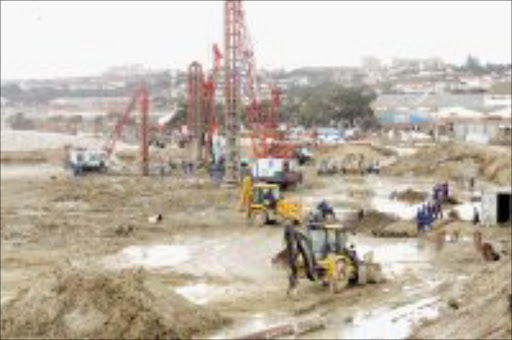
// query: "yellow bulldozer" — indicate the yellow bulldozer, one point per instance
point(321, 254)
point(263, 203)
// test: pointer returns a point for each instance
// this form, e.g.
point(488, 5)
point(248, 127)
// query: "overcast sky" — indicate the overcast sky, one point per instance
point(49, 39)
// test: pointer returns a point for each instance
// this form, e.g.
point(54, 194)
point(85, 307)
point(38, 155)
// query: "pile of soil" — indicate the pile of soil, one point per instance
point(397, 229)
point(50, 156)
point(483, 311)
point(372, 222)
point(369, 151)
point(409, 196)
point(455, 160)
point(73, 304)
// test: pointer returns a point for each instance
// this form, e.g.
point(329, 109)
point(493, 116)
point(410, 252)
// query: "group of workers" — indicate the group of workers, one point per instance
point(432, 210)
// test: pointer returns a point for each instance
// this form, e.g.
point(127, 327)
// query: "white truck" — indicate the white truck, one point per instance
point(285, 172)
point(81, 159)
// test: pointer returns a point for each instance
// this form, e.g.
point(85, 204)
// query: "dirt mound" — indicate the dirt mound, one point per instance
point(103, 306)
point(456, 162)
point(397, 229)
point(369, 151)
point(372, 221)
point(52, 156)
point(409, 196)
point(483, 311)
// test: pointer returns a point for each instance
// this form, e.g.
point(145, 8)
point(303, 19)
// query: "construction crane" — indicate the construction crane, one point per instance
point(202, 122)
point(195, 109)
point(140, 99)
point(242, 100)
point(233, 27)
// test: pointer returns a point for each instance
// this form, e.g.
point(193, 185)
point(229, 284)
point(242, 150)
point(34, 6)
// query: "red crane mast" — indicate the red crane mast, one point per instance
point(140, 99)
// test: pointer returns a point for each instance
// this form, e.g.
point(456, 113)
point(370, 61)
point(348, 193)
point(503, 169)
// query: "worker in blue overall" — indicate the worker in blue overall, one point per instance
point(77, 168)
point(419, 220)
point(446, 191)
point(428, 216)
point(437, 191)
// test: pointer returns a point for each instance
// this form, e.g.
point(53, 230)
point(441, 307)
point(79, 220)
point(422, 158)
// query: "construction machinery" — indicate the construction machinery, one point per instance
point(357, 164)
point(82, 159)
point(320, 253)
point(350, 164)
point(263, 203)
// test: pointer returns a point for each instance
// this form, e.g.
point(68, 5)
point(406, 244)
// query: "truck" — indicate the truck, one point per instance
point(90, 160)
point(282, 171)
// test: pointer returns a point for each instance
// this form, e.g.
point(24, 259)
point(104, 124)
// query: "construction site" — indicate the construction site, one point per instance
point(236, 231)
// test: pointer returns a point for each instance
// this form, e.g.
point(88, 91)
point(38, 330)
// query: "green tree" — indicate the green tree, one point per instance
point(329, 104)
point(473, 65)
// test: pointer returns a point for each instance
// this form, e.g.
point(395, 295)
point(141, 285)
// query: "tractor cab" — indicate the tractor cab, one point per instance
point(327, 239)
point(262, 191)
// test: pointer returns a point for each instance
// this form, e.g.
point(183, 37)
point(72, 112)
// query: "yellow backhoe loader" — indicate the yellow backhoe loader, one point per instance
point(263, 203)
point(321, 254)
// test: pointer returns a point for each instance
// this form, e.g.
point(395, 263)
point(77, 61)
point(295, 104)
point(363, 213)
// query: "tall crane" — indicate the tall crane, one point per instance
point(195, 110)
point(233, 27)
point(140, 99)
point(202, 122)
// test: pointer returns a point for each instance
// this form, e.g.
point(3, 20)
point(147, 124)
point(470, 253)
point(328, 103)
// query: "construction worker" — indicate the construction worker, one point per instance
point(269, 199)
point(439, 208)
point(476, 216)
point(446, 191)
point(352, 255)
point(77, 168)
point(419, 225)
point(245, 195)
point(437, 191)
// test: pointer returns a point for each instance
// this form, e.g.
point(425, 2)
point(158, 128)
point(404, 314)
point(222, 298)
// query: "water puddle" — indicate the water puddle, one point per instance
point(202, 293)
point(381, 323)
point(403, 211)
point(156, 256)
point(252, 324)
point(466, 210)
point(395, 256)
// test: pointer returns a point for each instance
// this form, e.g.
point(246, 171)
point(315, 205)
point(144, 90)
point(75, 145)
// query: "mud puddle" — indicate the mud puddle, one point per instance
point(250, 324)
point(151, 257)
point(381, 323)
point(204, 293)
point(376, 319)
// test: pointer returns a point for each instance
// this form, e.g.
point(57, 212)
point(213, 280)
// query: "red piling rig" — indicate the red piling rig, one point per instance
point(195, 108)
point(194, 99)
point(232, 91)
point(208, 93)
point(140, 97)
point(143, 130)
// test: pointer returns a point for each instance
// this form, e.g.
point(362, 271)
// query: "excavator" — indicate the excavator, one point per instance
point(263, 204)
point(320, 253)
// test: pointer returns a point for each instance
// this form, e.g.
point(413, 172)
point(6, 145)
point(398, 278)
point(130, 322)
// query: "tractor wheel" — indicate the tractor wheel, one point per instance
point(259, 218)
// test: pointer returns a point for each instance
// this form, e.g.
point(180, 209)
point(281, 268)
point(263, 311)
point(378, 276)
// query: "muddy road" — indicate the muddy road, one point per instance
point(205, 253)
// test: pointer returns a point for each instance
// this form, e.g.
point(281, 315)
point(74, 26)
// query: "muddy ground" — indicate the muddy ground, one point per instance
point(79, 258)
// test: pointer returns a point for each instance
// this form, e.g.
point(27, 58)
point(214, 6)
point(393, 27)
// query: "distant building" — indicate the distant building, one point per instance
point(328, 135)
point(480, 131)
point(432, 64)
